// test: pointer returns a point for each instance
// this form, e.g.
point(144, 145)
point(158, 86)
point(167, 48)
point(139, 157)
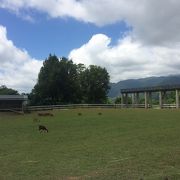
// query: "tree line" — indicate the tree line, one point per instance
point(7, 91)
point(60, 81)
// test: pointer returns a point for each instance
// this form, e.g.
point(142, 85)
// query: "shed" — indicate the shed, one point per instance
point(13, 102)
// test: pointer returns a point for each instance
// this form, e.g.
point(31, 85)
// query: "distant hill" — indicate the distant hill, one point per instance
point(144, 82)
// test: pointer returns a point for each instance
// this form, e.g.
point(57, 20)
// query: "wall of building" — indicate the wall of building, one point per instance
point(11, 104)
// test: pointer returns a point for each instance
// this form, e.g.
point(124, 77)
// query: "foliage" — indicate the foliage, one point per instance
point(110, 101)
point(117, 100)
point(62, 81)
point(7, 91)
point(95, 84)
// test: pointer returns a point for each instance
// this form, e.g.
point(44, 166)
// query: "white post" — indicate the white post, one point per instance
point(122, 100)
point(126, 99)
point(146, 99)
point(177, 98)
point(133, 100)
point(160, 100)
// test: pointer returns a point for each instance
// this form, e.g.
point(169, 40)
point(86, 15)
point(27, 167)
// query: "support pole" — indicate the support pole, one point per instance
point(160, 100)
point(126, 99)
point(146, 99)
point(133, 99)
point(122, 100)
point(177, 98)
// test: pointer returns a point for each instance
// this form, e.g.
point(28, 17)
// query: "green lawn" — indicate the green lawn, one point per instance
point(126, 144)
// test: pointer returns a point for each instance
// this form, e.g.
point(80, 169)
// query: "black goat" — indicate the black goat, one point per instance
point(42, 128)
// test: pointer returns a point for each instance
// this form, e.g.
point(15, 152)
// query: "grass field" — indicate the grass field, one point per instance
point(126, 144)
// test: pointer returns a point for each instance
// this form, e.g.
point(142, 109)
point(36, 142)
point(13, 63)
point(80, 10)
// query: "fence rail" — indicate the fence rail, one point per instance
point(169, 105)
point(74, 106)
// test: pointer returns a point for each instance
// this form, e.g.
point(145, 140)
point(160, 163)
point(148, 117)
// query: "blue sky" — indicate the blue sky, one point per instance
point(59, 36)
point(130, 38)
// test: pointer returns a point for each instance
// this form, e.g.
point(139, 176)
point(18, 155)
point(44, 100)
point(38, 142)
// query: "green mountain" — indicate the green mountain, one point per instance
point(144, 82)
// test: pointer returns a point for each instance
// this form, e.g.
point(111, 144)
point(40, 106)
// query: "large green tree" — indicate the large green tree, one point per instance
point(57, 82)
point(45, 91)
point(95, 84)
point(68, 82)
point(62, 81)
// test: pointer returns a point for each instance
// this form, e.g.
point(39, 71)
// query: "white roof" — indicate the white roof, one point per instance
point(14, 97)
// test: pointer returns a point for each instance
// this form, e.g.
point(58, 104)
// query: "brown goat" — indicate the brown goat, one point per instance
point(45, 114)
point(42, 128)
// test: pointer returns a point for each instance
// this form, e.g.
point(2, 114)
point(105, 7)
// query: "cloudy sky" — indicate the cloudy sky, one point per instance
point(131, 38)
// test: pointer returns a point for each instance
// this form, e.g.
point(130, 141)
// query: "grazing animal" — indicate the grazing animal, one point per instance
point(99, 113)
point(42, 128)
point(45, 114)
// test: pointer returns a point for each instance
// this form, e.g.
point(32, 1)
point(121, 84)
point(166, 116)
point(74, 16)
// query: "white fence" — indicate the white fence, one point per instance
point(74, 106)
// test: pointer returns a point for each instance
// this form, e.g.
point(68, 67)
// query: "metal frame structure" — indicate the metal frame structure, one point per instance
point(147, 91)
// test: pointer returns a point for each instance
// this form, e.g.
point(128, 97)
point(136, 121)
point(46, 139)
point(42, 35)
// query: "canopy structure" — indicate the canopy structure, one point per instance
point(151, 89)
point(147, 91)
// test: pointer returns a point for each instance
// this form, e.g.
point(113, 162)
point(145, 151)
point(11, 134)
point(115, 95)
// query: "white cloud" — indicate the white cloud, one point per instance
point(151, 48)
point(17, 69)
point(129, 58)
point(152, 21)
